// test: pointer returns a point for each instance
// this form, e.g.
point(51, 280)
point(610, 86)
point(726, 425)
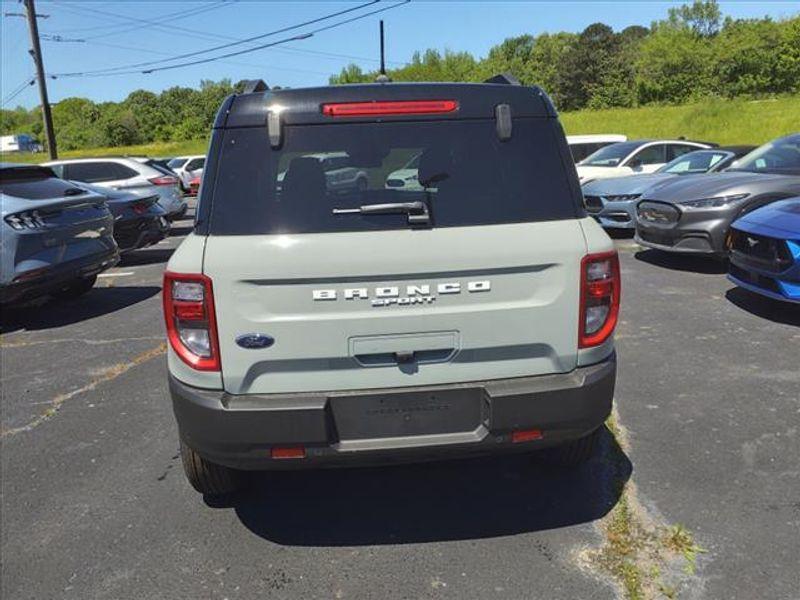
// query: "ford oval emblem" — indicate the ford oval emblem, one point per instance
point(255, 340)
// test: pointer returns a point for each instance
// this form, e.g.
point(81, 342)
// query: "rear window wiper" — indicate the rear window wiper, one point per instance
point(417, 212)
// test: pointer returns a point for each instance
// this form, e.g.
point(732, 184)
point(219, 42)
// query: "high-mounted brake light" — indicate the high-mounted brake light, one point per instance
point(600, 296)
point(190, 319)
point(164, 180)
point(401, 107)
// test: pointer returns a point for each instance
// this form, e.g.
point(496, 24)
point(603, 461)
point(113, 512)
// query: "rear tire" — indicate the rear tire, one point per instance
point(576, 452)
point(206, 477)
point(76, 289)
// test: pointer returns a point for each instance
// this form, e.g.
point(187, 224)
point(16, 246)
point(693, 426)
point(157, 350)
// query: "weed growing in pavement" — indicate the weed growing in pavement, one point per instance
point(641, 555)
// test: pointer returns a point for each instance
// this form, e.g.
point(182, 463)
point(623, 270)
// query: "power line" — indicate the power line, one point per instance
point(227, 62)
point(162, 19)
point(158, 24)
point(305, 35)
point(19, 89)
point(228, 45)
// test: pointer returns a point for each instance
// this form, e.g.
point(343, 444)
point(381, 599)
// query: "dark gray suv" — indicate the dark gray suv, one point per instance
point(693, 215)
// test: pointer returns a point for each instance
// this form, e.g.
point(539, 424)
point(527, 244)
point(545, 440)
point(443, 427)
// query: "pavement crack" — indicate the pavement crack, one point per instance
point(6, 345)
point(108, 374)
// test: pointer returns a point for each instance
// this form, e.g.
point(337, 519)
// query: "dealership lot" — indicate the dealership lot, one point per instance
point(95, 504)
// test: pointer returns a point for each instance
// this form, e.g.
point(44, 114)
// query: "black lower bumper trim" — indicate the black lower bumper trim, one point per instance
point(239, 431)
point(55, 278)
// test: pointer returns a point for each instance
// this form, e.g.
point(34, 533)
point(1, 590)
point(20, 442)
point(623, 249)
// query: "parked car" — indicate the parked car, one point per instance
point(55, 237)
point(612, 201)
point(187, 168)
point(473, 316)
point(581, 146)
point(629, 158)
point(406, 178)
point(138, 222)
point(765, 251)
point(341, 177)
point(693, 214)
point(125, 174)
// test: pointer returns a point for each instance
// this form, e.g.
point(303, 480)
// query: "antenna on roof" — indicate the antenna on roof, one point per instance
point(382, 77)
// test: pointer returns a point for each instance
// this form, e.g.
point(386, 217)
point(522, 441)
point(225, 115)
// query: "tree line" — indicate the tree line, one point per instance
point(693, 53)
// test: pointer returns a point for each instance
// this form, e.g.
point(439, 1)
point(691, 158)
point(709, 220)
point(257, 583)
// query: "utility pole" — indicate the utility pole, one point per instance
point(36, 52)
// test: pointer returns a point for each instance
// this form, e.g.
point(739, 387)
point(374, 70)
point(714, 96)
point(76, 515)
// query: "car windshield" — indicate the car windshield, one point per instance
point(610, 156)
point(177, 163)
point(321, 176)
point(780, 156)
point(694, 162)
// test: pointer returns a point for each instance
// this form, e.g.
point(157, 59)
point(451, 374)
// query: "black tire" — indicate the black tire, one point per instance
point(576, 452)
point(76, 289)
point(206, 477)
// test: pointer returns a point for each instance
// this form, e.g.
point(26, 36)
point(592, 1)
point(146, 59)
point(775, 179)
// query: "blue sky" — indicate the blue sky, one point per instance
point(111, 40)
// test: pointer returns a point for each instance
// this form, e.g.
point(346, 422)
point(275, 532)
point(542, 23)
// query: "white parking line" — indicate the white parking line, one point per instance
point(121, 274)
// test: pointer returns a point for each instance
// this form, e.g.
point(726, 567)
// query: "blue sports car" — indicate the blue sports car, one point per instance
point(765, 250)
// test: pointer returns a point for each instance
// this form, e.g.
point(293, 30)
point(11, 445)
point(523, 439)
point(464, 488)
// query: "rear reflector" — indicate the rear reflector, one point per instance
point(406, 107)
point(526, 435)
point(288, 452)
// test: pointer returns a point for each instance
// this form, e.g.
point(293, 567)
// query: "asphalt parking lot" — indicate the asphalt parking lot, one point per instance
point(94, 503)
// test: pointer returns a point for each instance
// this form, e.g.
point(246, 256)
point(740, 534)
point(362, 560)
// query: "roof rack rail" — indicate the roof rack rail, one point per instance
point(254, 85)
point(504, 78)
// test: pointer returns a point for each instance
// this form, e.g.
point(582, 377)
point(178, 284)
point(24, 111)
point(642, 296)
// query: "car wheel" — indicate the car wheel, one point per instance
point(576, 452)
point(76, 289)
point(206, 477)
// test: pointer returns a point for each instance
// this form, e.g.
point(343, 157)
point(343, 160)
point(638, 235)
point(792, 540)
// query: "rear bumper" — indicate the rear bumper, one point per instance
point(239, 431)
point(48, 280)
point(139, 233)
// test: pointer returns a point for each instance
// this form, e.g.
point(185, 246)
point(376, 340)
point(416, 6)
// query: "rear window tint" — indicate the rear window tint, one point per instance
point(459, 167)
point(35, 183)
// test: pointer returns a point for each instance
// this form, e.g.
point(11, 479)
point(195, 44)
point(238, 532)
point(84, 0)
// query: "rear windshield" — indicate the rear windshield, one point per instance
point(459, 169)
point(35, 183)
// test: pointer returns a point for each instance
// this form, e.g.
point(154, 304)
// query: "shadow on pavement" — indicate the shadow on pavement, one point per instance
point(146, 256)
point(683, 262)
point(57, 313)
point(454, 500)
point(766, 308)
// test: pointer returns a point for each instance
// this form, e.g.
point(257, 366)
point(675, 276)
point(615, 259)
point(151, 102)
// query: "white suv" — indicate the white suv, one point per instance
point(126, 174)
point(310, 325)
point(629, 158)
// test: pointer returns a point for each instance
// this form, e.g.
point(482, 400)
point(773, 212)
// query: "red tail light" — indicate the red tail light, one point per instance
point(403, 107)
point(600, 295)
point(190, 318)
point(164, 180)
point(140, 208)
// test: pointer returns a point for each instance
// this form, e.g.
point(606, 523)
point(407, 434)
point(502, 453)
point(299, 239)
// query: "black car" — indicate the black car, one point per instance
point(138, 222)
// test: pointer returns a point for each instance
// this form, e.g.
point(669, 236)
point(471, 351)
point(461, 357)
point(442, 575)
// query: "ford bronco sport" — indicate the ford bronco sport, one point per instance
point(310, 325)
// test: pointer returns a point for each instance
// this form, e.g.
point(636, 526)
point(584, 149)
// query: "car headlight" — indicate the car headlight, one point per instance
point(715, 202)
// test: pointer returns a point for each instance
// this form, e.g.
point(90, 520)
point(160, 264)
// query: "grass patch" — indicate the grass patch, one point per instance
point(648, 560)
point(717, 120)
point(156, 149)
